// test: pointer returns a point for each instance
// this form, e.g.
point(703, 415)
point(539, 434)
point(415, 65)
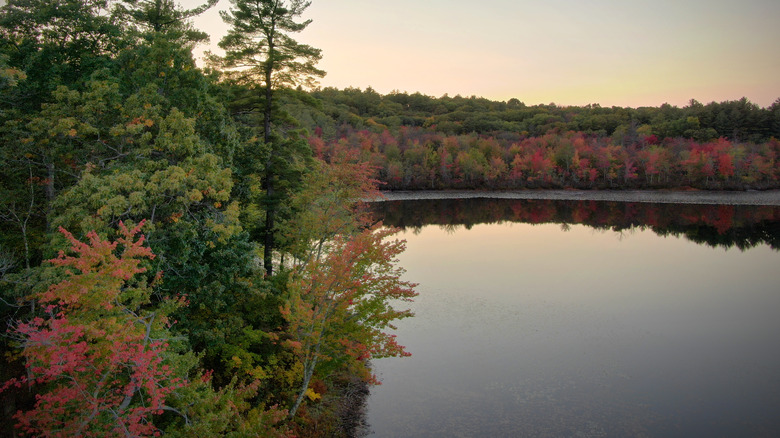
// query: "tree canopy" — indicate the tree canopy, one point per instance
point(259, 49)
point(169, 193)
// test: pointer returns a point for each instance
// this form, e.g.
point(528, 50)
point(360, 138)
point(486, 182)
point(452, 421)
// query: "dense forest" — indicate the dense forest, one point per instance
point(173, 258)
point(181, 250)
point(738, 120)
point(420, 142)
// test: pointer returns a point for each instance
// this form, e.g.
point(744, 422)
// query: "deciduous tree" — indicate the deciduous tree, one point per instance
point(339, 309)
point(343, 280)
point(98, 352)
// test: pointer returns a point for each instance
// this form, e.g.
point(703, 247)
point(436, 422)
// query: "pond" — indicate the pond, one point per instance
point(551, 318)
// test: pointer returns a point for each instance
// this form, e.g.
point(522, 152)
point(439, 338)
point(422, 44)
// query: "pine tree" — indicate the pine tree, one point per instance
point(259, 49)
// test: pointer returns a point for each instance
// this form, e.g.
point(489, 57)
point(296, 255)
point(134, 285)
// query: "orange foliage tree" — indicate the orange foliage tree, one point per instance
point(340, 306)
point(344, 280)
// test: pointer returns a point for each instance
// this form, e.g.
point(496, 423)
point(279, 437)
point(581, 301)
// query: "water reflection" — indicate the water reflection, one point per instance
point(523, 329)
point(715, 225)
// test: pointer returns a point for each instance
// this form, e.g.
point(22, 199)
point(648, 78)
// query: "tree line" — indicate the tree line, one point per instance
point(173, 258)
point(738, 120)
point(416, 158)
point(421, 142)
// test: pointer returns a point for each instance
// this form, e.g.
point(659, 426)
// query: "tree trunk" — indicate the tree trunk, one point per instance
point(49, 194)
point(268, 240)
point(308, 373)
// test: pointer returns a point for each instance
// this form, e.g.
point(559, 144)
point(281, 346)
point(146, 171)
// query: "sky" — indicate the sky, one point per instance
point(569, 52)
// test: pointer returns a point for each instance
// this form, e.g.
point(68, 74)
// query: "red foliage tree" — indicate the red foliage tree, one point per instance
point(344, 278)
point(540, 166)
point(95, 353)
point(725, 165)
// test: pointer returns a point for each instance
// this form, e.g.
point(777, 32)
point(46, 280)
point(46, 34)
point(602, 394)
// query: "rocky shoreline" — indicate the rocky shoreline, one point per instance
point(768, 197)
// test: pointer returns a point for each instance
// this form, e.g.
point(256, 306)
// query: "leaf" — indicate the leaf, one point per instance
point(312, 395)
point(96, 354)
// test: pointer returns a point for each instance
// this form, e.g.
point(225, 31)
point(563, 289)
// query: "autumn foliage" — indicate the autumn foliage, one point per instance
point(340, 309)
point(419, 158)
point(107, 118)
point(344, 279)
point(94, 353)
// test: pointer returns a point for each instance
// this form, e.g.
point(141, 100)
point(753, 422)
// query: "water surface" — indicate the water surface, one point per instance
point(563, 329)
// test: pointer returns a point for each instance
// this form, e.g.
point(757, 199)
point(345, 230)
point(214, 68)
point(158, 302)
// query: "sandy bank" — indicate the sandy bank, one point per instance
point(769, 197)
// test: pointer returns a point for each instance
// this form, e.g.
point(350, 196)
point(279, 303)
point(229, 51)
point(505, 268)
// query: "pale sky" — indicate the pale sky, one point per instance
point(571, 52)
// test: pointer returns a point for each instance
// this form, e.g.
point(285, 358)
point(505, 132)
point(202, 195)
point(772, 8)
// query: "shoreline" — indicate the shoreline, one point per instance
point(768, 197)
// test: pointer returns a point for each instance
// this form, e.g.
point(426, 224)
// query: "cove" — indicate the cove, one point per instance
point(552, 318)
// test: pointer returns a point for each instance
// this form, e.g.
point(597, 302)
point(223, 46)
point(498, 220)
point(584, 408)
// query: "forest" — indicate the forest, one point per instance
point(418, 142)
point(173, 258)
point(182, 250)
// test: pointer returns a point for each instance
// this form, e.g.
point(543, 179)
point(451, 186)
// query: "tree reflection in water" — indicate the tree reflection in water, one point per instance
point(522, 329)
point(727, 226)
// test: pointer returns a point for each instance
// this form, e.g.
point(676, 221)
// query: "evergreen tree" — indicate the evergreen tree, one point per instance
point(259, 49)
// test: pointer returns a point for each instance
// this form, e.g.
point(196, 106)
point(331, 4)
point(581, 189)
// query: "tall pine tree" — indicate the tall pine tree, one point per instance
point(259, 49)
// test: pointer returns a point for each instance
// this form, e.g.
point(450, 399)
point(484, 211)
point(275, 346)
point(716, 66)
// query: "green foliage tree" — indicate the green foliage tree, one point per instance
point(259, 49)
point(165, 17)
point(121, 127)
point(9, 76)
point(60, 42)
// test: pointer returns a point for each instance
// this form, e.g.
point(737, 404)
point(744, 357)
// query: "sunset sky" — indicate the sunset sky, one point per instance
point(570, 52)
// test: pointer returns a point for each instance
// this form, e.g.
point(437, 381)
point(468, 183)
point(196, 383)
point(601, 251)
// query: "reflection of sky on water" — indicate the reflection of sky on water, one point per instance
point(526, 330)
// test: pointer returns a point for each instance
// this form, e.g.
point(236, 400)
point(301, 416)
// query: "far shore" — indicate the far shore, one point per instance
point(753, 197)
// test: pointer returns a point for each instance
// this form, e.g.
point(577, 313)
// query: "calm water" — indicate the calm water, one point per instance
point(615, 323)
